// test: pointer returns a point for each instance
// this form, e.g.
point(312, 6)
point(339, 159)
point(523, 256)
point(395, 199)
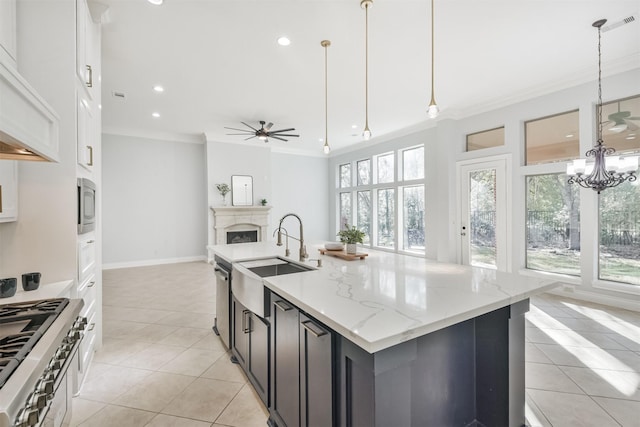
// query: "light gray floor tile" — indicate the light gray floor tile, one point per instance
point(193, 362)
point(244, 410)
point(154, 392)
point(548, 377)
point(605, 383)
point(153, 356)
point(626, 412)
point(533, 354)
point(82, 409)
point(162, 420)
point(186, 337)
point(571, 410)
point(118, 416)
point(203, 400)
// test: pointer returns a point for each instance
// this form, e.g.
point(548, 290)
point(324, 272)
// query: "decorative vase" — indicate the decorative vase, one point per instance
point(224, 200)
point(351, 248)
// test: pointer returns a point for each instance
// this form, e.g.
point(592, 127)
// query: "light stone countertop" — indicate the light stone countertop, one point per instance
point(45, 291)
point(388, 298)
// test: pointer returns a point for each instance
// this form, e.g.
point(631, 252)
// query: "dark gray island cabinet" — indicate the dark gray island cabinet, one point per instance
point(467, 374)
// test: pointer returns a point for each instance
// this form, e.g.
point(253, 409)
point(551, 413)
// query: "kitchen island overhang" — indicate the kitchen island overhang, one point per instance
point(421, 342)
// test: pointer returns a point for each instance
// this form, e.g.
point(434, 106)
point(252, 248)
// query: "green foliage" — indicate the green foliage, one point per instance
point(350, 234)
point(223, 188)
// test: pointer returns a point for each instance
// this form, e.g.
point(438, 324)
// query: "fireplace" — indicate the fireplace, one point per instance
point(239, 224)
point(242, 236)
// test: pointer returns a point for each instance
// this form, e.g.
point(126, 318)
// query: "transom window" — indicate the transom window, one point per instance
point(552, 139)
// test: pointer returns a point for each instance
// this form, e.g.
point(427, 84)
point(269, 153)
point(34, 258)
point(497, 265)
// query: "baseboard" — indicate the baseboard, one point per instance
point(145, 263)
point(596, 297)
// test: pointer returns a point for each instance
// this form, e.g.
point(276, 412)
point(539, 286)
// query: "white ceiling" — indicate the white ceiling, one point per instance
point(220, 64)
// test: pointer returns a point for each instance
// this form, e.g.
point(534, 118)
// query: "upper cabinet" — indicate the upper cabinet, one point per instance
point(87, 48)
point(8, 32)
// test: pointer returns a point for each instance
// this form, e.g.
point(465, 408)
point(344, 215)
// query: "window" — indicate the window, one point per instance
point(620, 233)
point(552, 139)
point(345, 175)
point(364, 172)
point(345, 209)
point(364, 214)
point(388, 206)
point(386, 218)
point(620, 124)
point(485, 139)
point(413, 164)
point(553, 224)
point(413, 220)
point(385, 168)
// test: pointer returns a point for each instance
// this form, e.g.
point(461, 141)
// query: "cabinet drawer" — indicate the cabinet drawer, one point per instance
point(87, 345)
point(86, 258)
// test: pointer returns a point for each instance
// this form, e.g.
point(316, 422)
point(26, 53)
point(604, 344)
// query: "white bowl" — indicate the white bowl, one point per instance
point(334, 246)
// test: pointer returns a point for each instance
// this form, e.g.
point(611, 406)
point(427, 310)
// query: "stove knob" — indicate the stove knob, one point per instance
point(27, 418)
point(82, 322)
point(37, 400)
point(45, 386)
point(55, 365)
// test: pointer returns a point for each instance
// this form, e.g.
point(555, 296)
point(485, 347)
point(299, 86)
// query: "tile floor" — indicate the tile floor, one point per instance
point(161, 365)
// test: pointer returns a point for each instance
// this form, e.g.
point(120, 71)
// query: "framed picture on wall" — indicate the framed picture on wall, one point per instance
point(241, 190)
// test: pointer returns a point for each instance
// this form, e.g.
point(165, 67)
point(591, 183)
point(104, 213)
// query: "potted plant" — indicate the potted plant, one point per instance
point(263, 202)
point(223, 189)
point(351, 236)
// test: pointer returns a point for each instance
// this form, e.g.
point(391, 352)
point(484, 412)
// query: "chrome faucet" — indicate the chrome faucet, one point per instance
point(303, 249)
point(287, 252)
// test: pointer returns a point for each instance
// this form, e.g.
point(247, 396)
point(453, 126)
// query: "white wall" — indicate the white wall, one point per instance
point(299, 186)
point(290, 183)
point(154, 201)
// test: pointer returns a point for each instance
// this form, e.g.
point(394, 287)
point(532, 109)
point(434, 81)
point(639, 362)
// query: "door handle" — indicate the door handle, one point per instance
point(307, 324)
point(90, 162)
point(89, 81)
point(246, 321)
point(283, 306)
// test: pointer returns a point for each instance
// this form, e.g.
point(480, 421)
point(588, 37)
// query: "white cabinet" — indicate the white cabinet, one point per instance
point(86, 257)
point(8, 190)
point(8, 32)
point(87, 48)
point(88, 290)
point(86, 139)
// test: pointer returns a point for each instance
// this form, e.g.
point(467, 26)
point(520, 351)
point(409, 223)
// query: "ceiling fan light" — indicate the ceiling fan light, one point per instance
point(619, 128)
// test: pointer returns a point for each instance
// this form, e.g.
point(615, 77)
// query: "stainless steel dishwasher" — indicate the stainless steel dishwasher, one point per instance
point(223, 299)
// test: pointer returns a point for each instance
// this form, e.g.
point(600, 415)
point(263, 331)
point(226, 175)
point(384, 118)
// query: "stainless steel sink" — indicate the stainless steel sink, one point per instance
point(247, 285)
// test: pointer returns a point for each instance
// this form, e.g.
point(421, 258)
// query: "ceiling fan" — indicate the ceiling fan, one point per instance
point(264, 133)
point(621, 121)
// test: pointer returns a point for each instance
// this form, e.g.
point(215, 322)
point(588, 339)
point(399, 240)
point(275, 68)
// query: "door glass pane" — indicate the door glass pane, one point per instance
point(482, 218)
point(364, 215)
point(364, 172)
point(553, 224)
point(345, 209)
point(345, 175)
point(385, 168)
point(386, 218)
point(413, 226)
point(413, 163)
point(620, 233)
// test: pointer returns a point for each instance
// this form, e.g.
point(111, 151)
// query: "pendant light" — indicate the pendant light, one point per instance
point(433, 110)
point(606, 171)
point(366, 4)
point(325, 44)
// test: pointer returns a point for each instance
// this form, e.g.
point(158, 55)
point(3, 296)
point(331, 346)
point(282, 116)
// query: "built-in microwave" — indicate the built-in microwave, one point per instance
point(86, 205)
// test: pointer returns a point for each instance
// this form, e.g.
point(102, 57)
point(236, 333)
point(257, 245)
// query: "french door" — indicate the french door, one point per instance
point(483, 213)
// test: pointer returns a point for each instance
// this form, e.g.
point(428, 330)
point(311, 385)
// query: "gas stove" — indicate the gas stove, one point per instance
point(38, 343)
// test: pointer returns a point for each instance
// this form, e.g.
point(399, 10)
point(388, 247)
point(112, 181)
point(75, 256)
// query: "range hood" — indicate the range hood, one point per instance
point(28, 125)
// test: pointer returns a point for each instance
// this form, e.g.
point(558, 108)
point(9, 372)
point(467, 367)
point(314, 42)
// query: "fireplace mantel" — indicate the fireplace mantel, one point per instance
point(233, 218)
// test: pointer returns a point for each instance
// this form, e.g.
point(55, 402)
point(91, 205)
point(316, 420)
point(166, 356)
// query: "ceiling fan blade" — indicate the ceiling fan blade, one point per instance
point(249, 126)
point(282, 130)
point(277, 137)
point(239, 130)
point(269, 125)
point(241, 134)
point(251, 137)
point(632, 118)
point(286, 134)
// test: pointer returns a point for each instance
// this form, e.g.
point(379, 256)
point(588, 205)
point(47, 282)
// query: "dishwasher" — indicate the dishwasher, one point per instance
point(223, 300)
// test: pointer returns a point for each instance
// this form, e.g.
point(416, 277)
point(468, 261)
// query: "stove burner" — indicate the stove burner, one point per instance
point(21, 326)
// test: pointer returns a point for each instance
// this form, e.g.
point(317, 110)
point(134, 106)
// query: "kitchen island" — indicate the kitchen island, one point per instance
point(415, 342)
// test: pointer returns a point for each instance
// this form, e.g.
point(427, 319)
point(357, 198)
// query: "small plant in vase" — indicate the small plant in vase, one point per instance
point(223, 189)
point(351, 236)
point(263, 202)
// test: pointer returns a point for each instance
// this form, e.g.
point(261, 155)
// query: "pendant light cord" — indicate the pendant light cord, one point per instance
point(433, 101)
point(366, 66)
point(600, 141)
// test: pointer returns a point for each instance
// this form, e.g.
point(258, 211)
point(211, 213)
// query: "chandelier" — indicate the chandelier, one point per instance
point(606, 171)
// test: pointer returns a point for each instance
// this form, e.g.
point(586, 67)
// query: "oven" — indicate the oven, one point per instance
point(38, 344)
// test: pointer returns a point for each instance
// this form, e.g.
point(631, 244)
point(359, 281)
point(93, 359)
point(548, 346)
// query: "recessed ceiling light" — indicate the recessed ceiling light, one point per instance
point(321, 139)
point(354, 126)
point(156, 115)
point(158, 88)
point(284, 41)
point(156, 2)
point(569, 135)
